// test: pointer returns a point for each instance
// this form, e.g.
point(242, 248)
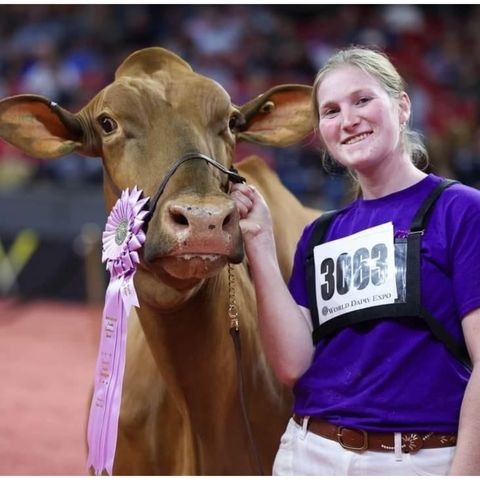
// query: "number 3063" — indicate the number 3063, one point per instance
point(354, 271)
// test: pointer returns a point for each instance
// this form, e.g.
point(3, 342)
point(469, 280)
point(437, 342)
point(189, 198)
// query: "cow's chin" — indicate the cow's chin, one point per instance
point(193, 266)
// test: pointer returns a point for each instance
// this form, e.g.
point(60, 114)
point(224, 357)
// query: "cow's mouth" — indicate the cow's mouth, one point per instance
point(180, 265)
point(189, 266)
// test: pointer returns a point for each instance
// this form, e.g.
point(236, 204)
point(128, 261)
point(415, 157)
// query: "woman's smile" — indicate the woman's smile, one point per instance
point(356, 138)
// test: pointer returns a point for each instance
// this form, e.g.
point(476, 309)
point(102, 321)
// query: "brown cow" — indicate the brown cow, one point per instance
point(180, 409)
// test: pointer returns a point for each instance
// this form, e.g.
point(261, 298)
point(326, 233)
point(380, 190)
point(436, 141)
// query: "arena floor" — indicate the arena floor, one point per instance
point(47, 362)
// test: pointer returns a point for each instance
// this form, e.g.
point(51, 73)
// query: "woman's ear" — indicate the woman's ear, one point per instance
point(404, 107)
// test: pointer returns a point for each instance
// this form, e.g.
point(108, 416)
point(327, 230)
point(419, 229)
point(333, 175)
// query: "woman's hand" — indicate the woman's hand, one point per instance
point(255, 218)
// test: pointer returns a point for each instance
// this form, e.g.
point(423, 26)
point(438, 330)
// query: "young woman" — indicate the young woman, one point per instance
point(389, 288)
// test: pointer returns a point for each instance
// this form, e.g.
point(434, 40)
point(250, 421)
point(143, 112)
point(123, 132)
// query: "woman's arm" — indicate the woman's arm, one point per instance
point(283, 330)
point(467, 455)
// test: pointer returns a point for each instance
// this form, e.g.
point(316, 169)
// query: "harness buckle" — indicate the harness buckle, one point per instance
point(341, 441)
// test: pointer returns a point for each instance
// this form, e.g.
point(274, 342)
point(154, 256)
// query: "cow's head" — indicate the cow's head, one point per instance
point(155, 111)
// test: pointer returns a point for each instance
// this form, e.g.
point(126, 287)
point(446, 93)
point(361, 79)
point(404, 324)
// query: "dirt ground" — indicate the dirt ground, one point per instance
point(47, 362)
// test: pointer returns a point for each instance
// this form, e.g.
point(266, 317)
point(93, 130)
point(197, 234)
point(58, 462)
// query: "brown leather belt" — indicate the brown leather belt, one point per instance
point(360, 440)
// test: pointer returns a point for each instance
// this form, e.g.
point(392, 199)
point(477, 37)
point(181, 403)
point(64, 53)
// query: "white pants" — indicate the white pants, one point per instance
point(304, 453)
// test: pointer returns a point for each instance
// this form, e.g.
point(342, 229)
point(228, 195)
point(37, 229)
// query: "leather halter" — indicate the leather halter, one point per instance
point(232, 173)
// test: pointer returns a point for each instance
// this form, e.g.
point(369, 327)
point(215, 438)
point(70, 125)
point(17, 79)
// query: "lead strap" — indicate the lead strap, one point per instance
point(235, 334)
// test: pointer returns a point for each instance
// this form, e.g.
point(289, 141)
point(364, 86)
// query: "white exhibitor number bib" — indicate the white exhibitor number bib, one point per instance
point(355, 272)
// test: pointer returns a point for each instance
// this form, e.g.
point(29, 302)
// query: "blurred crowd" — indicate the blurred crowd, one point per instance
point(69, 52)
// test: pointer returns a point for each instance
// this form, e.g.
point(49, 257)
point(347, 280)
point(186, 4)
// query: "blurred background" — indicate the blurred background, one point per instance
point(69, 52)
point(52, 213)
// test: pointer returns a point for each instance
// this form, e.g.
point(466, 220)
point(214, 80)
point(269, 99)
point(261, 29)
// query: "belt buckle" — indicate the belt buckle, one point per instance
point(349, 447)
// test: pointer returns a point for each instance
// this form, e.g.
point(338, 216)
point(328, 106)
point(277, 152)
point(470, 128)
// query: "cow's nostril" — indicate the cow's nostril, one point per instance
point(179, 219)
point(226, 220)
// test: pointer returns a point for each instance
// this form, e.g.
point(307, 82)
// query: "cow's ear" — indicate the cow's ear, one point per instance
point(39, 127)
point(280, 117)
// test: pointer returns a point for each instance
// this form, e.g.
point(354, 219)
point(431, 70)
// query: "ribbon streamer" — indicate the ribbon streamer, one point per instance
point(122, 237)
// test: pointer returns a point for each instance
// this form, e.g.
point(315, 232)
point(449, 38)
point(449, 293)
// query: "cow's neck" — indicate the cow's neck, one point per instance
point(195, 355)
point(194, 351)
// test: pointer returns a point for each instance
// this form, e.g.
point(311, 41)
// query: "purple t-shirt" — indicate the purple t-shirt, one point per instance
point(392, 374)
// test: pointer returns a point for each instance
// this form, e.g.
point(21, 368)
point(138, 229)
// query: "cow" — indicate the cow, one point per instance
point(180, 410)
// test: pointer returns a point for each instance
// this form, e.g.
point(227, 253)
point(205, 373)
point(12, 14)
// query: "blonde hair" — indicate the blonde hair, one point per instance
point(377, 65)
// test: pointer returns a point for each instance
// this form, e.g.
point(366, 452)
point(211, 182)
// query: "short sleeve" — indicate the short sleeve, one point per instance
point(297, 284)
point(463, 223)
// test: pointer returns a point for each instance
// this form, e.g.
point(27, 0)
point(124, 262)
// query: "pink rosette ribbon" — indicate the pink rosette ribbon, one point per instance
point(122, 237)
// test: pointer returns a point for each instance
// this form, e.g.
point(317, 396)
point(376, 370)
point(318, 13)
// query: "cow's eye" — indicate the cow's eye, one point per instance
point(235, 122)
point(108, 124)
point(267, 107)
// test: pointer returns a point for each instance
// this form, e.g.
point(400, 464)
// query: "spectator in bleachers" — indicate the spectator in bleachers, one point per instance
point(69, 52)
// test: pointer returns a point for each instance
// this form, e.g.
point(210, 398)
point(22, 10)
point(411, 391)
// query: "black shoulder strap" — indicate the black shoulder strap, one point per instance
point(458, 350)
point(318, 235)
point(423, 214)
